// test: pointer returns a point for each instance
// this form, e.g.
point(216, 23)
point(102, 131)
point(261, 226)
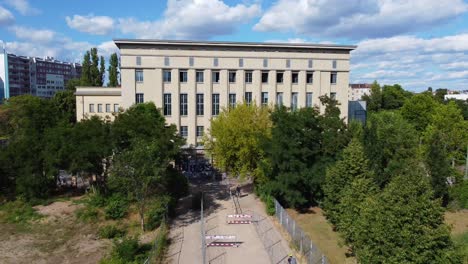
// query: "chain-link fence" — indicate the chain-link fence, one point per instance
point(270, 238)
point(299, 238)
point(160, 242)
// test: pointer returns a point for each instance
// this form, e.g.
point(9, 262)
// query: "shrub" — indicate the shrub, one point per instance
point(96, 200)
point(270, 204)
point(156, 212)
point(117, 207)
point(196, 200)
point(127, 251)
point(87, 214)
point(459, 195)
point(111, 231)
point(18, 212)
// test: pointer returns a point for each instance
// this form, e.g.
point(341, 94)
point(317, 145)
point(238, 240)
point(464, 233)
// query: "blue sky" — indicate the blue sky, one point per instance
point(417, 43)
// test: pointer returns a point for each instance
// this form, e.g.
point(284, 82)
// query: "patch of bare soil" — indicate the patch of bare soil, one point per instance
point(56, 238)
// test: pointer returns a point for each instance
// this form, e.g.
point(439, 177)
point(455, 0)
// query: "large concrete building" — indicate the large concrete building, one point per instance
point(193, 81)
point(358, 90)
point(36, 76)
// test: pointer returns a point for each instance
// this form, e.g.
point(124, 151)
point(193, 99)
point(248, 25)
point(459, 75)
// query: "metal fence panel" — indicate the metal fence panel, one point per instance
point(299, 238)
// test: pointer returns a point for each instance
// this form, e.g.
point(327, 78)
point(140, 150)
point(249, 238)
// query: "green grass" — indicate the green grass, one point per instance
point(461, 241)
point(18, 212)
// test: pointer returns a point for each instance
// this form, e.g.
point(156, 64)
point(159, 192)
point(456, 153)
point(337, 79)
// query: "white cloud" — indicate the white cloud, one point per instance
point(35, 35)
point(414, 62)
point(96, 25)
point(107, 48)
point(6, 18)
point(23, 7)
point(192, 19)
point(358, 19)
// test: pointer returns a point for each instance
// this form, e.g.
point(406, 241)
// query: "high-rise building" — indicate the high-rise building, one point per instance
point(36, 76)
point(191, 82)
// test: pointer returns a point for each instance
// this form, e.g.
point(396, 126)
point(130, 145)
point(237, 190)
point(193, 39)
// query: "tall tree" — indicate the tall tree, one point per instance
point(102, 72)
point(440, 94)
point(339, 177)
point(374, 99)
point(113, 71)
point(394, 96)
point(86, 78)
point(234, 138)
point(335, 136)
point(391, 144)
point(94, 68)
point(419, 110)
point(403, 224)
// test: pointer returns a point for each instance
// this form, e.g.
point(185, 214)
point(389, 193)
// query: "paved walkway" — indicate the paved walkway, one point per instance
point(186, 231)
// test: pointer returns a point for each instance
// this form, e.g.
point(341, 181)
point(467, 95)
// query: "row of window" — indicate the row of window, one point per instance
point(183, 131)
point(232, 76)
point(167, 62)
point(100, 110)
point(200, 102)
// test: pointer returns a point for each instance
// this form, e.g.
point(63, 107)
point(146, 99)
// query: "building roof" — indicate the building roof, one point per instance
point(226, 44)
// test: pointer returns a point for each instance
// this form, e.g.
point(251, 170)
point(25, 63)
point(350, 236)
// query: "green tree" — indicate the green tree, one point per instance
point(102, 72)
point(403, 224)
point(374, 99)
point(144, 147)
point(234, 138)
point(440, 94)
point(340, 176)
point(391, 144)
point(394, 96)
point(418, 110)
point(65, 100)
point(113, 71)
point(94, 68)
point(290, 155)
point(335, 136)
point(86, 78)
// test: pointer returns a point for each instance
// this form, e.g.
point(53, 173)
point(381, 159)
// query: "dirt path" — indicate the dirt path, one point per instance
point(186, 246)
point(56, 238)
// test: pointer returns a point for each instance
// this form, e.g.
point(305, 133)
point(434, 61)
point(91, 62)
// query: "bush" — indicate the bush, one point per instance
point(96, 199)
point(196, 200)
point(459, 195)
point(177, 183)
point(18, 212)
point(111, 231)
point(87, 214)
point(270, 204)
point(127, 251)
point(156, 212)
point(117, 207)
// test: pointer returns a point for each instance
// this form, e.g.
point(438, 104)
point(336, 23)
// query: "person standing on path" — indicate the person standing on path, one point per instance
point(238, 189)
point(291, 259)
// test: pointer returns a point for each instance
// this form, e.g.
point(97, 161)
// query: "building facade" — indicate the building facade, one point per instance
point(36, 76)
point(358, 90)
point(191, 82)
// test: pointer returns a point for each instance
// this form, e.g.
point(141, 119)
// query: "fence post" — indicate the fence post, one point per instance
point(281, 213)
point(302, 239)
point(294, 230)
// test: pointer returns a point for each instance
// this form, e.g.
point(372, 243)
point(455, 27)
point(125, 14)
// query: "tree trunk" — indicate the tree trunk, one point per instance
point(142, 219)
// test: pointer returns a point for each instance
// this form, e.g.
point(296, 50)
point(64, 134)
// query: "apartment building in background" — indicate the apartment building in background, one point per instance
point(358, 90)
point(36, 76)
point(192, 81)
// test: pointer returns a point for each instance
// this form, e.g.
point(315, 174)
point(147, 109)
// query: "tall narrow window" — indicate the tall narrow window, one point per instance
point(167, 76)
point(116, 108)
point(248, 98)
point(232, 76)
point(200, 76)
point(167, 104)
point(279, 98)
point(308, 99)
point(183, 76)
point(215, 76)
point(215, 62)
point(139, 76)
point(200, 105)
point(215, 105)
point(183, 131)
point(183, 104)
point(310, 77)
point(295, 77)
point(139, 98)
point(99, 108)
point(333, 96)
point(241, 62)
point(166, 61)
point(108, 108)
point(279, 77)
point(294, 101)
point(91, 108)
point(265, 77)
point(191, 61)
point(311, 63)
point(333, 78)
point(334, 64)
point(200, 131)
point(232, 100)
point(288, 63)
point(138, 60)
point(264, 98)
point(248, 77)
point(265, 62)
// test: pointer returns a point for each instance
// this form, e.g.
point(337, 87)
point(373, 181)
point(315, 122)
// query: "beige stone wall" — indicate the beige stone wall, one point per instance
point(95, 96)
